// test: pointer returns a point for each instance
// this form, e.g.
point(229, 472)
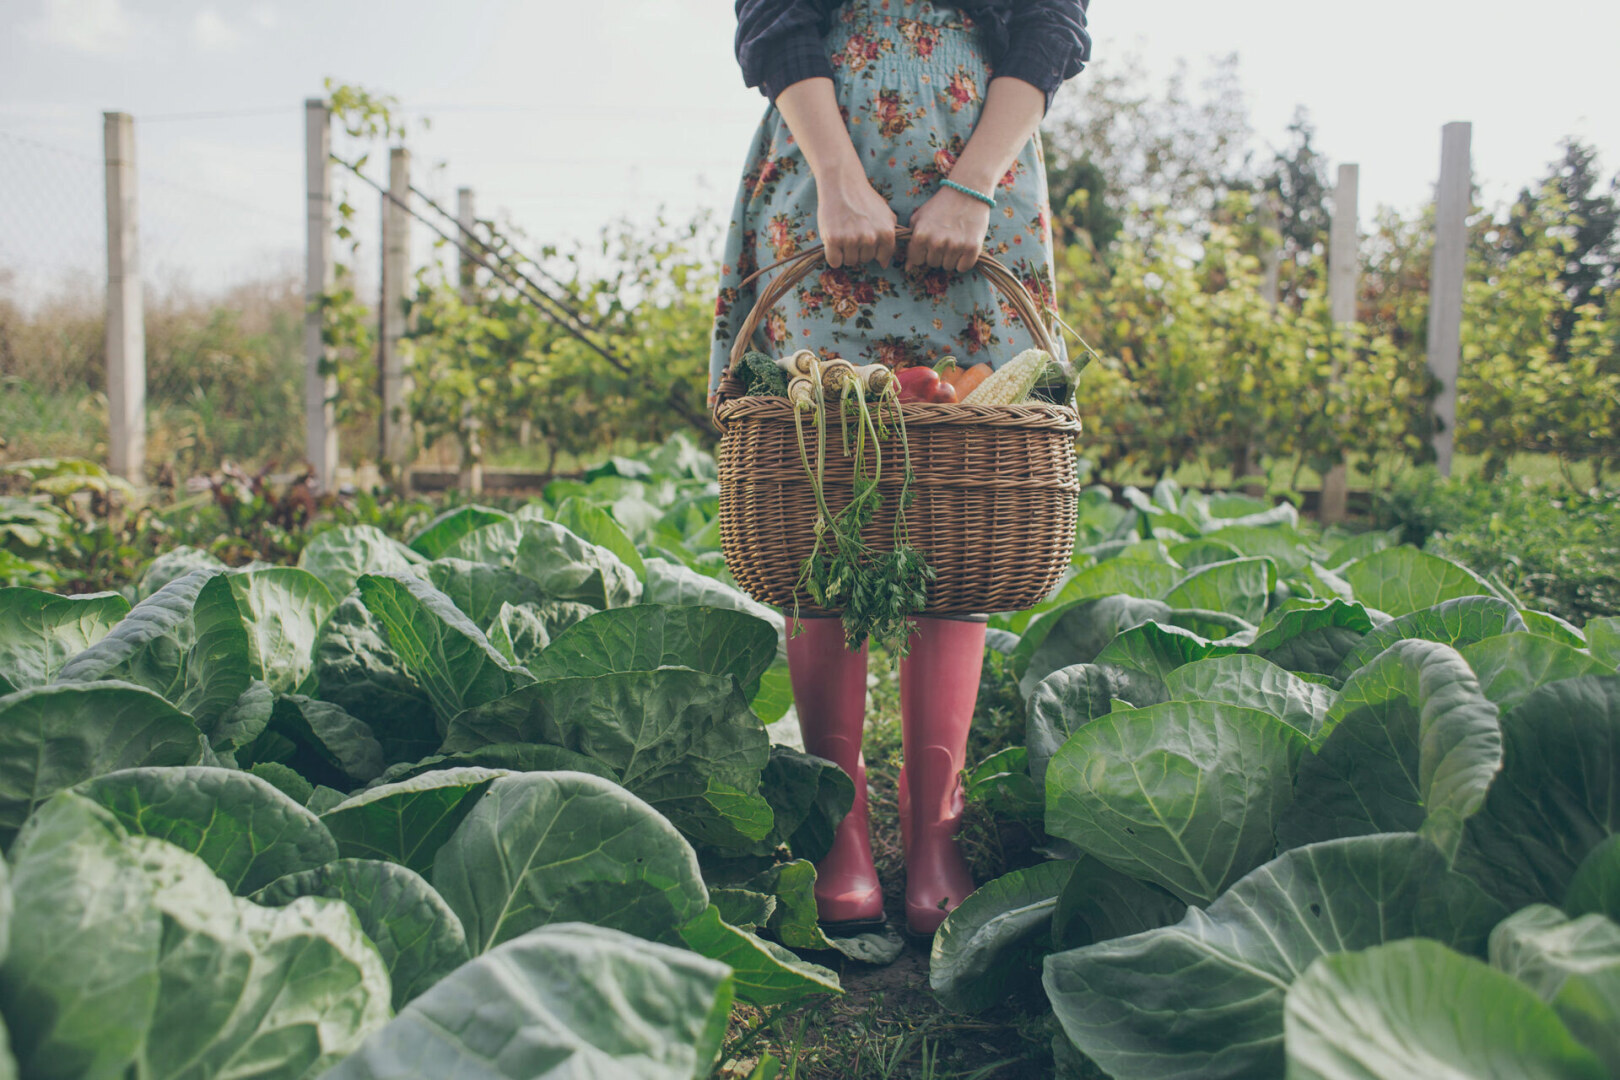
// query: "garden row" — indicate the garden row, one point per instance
point(1324, 810)
point(498, 800)
point(494, 802)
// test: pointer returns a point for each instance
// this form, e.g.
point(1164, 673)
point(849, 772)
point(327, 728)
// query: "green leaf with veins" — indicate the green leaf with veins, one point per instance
point(1186, 795)
point(1413, 1010)
point(542, 848)
point(41, 631)
point(1412, 745)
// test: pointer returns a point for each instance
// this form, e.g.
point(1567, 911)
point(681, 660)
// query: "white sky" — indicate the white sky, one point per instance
point(568, 114)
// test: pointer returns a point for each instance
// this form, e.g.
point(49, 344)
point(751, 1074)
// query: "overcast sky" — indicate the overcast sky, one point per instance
point(566, 115)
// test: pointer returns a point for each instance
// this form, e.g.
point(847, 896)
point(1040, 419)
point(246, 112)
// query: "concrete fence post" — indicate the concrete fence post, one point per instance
point(126, 320)
point(1344, 274)
point(1446, 273)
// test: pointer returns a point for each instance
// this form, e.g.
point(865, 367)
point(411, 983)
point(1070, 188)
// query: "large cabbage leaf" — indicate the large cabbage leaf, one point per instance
point(408, 820)
point(542, 848)
point(1415, 1010)
point(418, 937)
point(683, 740)
point(1227, 968)
point(130, 955)
point(41, 631)
point(186, 642)
point(1184, 794)
point(559, 1003)
point(246, 830)
point(1557, 796)
point(53, 737)
point(442, 650)
point(1413, 745)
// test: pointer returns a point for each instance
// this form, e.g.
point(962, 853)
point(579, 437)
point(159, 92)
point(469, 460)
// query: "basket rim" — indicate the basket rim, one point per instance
point(1036, 416)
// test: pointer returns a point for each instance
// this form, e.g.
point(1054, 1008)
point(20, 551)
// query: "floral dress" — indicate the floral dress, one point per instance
point(910, 77)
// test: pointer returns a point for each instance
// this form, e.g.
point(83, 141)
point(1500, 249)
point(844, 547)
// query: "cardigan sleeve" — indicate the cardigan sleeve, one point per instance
point(779, 42)
point(1046, 43)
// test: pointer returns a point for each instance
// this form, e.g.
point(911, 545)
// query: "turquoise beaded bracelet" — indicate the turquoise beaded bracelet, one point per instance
point(988, 200)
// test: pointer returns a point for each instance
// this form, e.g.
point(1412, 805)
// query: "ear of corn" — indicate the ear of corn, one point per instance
point(1012, 382)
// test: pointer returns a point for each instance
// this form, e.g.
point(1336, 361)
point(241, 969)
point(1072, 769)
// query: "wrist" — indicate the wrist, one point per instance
point(980, 180)
point(842, 175)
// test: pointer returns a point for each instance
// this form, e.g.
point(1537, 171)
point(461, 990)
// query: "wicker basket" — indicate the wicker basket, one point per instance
point(996, 489)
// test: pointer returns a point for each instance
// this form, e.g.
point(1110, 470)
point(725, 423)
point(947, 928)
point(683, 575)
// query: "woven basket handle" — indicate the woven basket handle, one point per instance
point(798, 267)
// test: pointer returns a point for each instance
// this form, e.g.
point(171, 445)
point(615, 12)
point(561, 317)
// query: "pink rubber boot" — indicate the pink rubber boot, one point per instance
point(939, 682)
point(829, 693)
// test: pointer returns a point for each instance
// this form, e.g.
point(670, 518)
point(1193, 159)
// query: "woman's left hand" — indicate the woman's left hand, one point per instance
point(948, 232)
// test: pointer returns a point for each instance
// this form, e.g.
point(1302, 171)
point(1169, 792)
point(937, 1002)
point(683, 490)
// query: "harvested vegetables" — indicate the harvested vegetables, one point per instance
point(876, 591)
point(1012, 382)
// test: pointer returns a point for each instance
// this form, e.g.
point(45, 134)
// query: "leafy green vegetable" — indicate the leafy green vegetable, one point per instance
point(683, 740)
point(1312, 636)
point(557, 1003)
point(1412, 745)
point(1239, 587)
point(171, 565)
point(1558, 795)
point(1603, 637)
point(407, 821)
point(1511, 665)
point(186, 642)
point(1156, 650)
point(436, 536)
point(339, 556)
point(128, 953)
point(358, 670)
point(1254, 683)
point(246, 830)
point(1457, 623)
point(40, 631)
point(479, 590)
point(444, 652)
point(996, 937)
point(1075, 635)
point(282, 610)
point(418, 937)
point(763, 972)
point(53, 737)
point(1076, 695)
point(1574, 965)
point(1098, 902)
point(670, 583)
point(1186, 795)
point(650, 636)
point(1228, 967)
point(543, 848)
point(570, 568)
point(595, 525)
point(1595, 887)
point(1402, 580)
point(1416, 1009)
point(321, 740)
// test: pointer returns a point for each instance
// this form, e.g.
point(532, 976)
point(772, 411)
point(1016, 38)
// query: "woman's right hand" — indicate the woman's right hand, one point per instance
point(856, 224)
point(854, 221)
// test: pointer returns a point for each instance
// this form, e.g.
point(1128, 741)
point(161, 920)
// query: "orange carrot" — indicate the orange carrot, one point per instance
point(967, 380)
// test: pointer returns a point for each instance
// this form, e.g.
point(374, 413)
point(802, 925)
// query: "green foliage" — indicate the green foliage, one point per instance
point(1558, 551)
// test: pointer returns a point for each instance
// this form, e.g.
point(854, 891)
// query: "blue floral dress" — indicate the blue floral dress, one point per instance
point(910, 78)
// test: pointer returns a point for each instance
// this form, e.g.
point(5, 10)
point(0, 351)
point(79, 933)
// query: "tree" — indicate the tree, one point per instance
point(1119, 143)
point(1298, 181)
point(1589, 214)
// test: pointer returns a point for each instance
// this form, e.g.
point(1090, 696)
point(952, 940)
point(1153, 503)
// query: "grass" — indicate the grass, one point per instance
point(887, 1025)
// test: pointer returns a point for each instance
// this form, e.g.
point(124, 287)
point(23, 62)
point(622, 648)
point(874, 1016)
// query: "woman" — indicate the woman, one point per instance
point(888, 112)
